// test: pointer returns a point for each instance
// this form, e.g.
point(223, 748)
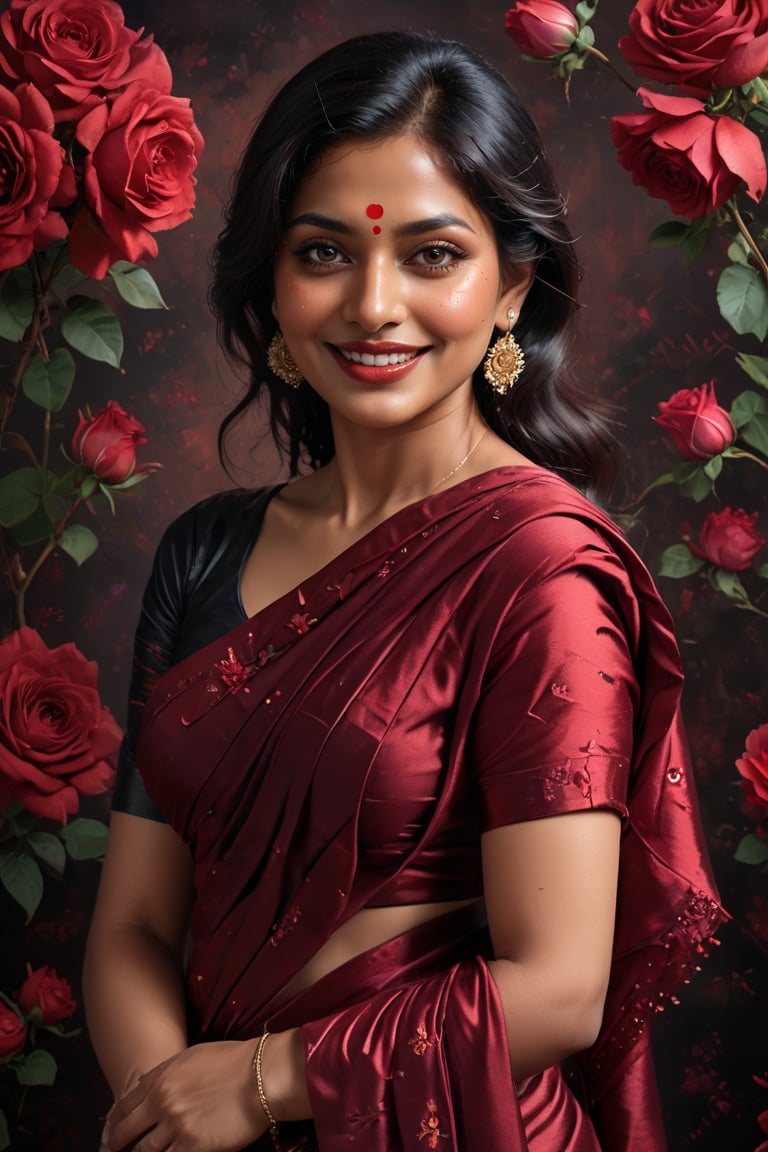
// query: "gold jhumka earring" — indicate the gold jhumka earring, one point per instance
point(281, 362)
point(504, 360)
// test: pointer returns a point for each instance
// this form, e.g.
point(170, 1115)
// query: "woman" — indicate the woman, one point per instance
point(411, 719)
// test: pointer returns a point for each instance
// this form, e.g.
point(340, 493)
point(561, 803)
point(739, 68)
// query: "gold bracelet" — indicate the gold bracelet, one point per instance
point(273, 1129)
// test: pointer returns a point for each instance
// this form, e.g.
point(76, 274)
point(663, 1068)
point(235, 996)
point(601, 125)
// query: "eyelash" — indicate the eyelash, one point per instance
point(305, 250)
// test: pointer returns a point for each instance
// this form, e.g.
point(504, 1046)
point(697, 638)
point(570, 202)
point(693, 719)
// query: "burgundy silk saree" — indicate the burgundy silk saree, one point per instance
point(493, 653)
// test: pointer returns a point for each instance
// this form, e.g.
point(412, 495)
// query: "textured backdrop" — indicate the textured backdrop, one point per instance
point(649, 327)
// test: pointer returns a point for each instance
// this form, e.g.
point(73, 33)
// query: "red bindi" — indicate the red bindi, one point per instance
point(374, 211)
point(376, 229)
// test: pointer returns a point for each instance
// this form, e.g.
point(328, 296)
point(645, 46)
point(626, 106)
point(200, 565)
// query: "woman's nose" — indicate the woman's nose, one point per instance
point(376, 295)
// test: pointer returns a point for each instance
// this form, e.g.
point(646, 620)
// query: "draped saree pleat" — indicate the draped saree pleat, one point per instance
point(260, 748)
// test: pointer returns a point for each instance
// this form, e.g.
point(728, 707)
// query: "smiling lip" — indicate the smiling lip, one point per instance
point(376, 361)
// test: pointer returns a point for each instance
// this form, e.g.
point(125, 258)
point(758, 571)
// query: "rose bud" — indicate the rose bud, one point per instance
point(13, 1033)
point(753, 766)
point(106, 443)
point(729, 540)
point(541, 28)
point(698, 426)
point(48, 993)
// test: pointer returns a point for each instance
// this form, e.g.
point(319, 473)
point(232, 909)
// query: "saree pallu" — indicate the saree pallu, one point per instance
point(503, 632)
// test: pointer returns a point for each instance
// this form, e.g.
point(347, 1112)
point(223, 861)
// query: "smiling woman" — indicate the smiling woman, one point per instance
point(404, 731)
point(430, 277)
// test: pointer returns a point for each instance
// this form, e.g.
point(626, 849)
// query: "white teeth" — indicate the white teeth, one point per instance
point(380, 361)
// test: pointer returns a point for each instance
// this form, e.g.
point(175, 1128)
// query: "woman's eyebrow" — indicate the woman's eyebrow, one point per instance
point(412, 228)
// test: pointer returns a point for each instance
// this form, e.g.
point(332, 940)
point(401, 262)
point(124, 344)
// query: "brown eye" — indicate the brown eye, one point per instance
point(324, 254)
point(434, 256)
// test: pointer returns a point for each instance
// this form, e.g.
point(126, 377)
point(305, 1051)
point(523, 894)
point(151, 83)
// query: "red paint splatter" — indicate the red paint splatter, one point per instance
point(374, 211)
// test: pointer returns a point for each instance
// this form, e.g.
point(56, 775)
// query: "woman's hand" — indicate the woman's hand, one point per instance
point(202, 1100)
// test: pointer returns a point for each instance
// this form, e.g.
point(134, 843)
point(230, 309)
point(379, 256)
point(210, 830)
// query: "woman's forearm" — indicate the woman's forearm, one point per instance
point(134, 1001)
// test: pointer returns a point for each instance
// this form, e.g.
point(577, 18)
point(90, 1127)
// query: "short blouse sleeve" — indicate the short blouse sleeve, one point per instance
point(553, 730)
point(157, 632)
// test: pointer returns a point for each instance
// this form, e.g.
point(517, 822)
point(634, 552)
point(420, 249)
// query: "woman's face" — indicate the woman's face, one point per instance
point(388, 284)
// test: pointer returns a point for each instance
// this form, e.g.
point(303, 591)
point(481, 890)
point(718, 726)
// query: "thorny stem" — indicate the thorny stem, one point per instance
point(33, 337)
point(604, 60)
point(733, 209)
point(41, 559)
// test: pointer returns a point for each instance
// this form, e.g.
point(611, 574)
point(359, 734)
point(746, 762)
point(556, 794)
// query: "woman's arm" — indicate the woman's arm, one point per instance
point(550, 893)
point(133, 967)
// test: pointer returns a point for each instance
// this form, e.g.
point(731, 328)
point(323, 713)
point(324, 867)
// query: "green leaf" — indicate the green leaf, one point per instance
point(88, 487)
point(696, 240)
point(762, 571)
point(585, 11)
point(743, 300)
point(698, 485)
point(93, 329)
point(5, 1136)
point(713, 467)
point(23, 880)
point(49, 849)
point(78, 542)
point(136, 286)
point(678, 561)
point(756, 432)
point(585, 38)
point(131, 482)
point(34, 529)
point(85, 839)
point(65, 280)
point(751, 849)
point(55, 507)
point(17, 303)
point(38, 1068)
point(760, 115)
point(20, 493)
point(738, 253)
point(669, 235)
point(729, 584)
point(105, 492)
point(745, 406)
point(49, 385)
point(756, 367)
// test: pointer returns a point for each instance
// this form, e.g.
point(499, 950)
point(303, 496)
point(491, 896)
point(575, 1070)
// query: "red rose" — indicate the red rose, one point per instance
point(34, 177)
point(106, 444)
point(729, 539)
point(138, 177)
point(57, 742)
point(712, 42)
point(699, 427)
point(753, 766)
point(541, 28)
point(13, 1033)
point(681, 154)
point(47, 992)
point(77, 52)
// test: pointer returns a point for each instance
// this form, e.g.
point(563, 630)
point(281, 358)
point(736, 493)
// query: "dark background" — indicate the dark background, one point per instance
point(649, 326)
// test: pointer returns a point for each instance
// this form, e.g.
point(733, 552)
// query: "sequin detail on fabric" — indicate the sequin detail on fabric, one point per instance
point(430, 1128)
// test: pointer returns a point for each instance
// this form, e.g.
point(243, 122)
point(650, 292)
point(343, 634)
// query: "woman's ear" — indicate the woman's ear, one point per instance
point(516, 281)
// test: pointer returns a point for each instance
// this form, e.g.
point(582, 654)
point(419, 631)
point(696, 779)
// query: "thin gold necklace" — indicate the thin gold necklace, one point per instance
point(460, 464)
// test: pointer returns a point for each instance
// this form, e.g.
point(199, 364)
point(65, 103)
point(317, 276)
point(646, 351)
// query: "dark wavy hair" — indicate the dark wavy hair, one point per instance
point(376, 86)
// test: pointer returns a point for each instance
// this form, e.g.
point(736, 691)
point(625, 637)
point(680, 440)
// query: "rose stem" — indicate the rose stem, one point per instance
point(33, 338)
point(747, 456)
point(749, 239)
point(604, 60)
point(22, 590)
